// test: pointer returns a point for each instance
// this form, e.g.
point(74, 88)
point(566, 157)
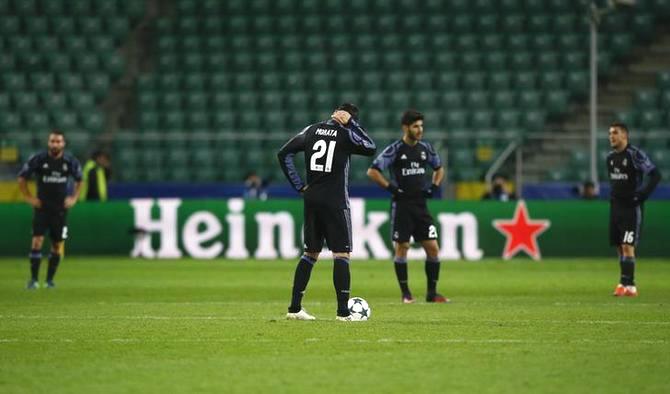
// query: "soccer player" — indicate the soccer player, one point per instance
point(407, 160)
point(52, 169)
point(327, 147)
point(633, 177)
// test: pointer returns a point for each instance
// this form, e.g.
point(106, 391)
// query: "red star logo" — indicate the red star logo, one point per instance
point(521, 233)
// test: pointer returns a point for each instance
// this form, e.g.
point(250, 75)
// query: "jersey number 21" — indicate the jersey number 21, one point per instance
point(322, 149)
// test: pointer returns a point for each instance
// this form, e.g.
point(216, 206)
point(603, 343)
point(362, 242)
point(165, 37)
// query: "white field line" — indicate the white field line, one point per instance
point(280, 317)
point(491, 341)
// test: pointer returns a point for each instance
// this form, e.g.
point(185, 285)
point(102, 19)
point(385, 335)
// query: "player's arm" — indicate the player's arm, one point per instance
point(286, 157)
point(362, 143)
point(27, 196)
point(438, 173)
point(26, 171)
point(76, 173)
point(382, 162)
point(652, 175)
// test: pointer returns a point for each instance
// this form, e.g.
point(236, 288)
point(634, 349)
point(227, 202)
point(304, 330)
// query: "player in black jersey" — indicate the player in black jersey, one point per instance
point(408, 159)
point(327, 147)
point(52, 170)
point(633, 177)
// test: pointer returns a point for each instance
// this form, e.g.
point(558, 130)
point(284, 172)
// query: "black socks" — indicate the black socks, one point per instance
point(400, 264)
point(35, 260)
point(627, 265)
point(54, 260)
point(300, 280)
point(342, 282)
point(432, 274)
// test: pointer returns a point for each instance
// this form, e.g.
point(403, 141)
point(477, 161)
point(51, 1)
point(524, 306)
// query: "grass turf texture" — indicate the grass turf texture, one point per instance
point(121, 325)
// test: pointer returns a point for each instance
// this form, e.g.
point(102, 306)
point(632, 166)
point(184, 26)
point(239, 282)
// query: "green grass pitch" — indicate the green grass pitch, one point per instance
point(135, 326)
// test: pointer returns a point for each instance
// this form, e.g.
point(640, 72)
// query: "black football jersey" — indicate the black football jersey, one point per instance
point(52, 176)
point(327, 147)
point(626, 171)
point(408, 165)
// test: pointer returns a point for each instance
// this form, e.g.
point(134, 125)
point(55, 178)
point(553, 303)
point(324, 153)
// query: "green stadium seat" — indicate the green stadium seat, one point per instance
point(508, 120)
point(504, 99)
point(46, 45)
point(79, 7)
point(93, 122)
point(494, 61)
point(564, 23)
point(530, 99)
point(481, 119)
point(98, 84)
point(118, 27)
point(64, 120)
point(7, 62)
point(517, 43)
point(170, 81)
point(456, 119)
point(525, 80)
point(650, 119)
point(25, 101)
point(81, 101)
point(5, 102)
point(42, 81)
point(9, 25)
point(522, 61)
point(148, 120)
point(90, 25)
point(31, 62)
point(86, 63)
point(53, 8)
point(75, 45)
point(471, 61)
point(10, 121)
point(663, 81)
point(447, 81)
point(198, 119)
point(646, 99)
point(450, 100)
point(577, 82)
point(19, 44)
point(36, 121)
point(25, 7)
point(556, 102)
point(13, 82)
point(36, 25)
point(173, 120)
point(533, 120)
point(477, 99)
point(444, 61)
point(194, 81)
point(513, 23)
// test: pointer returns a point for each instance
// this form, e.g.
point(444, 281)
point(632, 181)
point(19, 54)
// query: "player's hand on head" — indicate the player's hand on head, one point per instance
point(341, 117)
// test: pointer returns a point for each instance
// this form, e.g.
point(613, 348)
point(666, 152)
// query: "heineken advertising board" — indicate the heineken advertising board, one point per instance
point(241, 229)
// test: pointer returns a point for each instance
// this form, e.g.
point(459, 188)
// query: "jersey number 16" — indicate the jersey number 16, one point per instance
point(322, 149)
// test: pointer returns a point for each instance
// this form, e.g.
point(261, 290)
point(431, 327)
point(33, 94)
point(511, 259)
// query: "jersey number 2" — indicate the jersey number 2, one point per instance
point(322, 149)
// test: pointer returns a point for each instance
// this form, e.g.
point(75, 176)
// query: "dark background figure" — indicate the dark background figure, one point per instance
point(255, 187)
point(96, 173)
point(498, 190)
point(588, 191)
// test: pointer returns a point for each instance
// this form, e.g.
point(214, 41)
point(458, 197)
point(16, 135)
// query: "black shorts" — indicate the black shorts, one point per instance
point(411, 219)
point(625, 224)
point(327, 223)
point(54, 221)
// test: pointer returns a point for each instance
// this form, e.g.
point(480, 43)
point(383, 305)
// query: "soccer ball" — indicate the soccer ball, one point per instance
point(359, 309)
